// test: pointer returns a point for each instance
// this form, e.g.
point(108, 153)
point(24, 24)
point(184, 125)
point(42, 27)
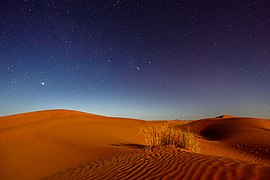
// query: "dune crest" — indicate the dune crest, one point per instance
point(225, 116)
point(62, 144)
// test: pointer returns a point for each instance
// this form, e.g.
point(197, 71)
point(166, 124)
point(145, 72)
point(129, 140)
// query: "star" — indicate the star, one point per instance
point(42, 83)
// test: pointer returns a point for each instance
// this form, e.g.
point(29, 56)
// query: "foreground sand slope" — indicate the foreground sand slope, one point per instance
point(38, 144)
point(61, 144)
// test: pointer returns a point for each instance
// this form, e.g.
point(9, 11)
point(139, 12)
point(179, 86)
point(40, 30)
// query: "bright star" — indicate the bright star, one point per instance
point(42, 83)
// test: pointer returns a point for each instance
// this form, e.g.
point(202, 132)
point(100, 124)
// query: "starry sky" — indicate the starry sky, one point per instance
point(154, 59)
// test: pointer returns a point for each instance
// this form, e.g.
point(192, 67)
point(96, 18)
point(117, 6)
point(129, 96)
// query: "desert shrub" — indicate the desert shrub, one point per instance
point(163, 135)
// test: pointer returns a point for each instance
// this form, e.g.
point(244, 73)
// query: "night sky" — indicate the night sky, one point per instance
point(142, 59)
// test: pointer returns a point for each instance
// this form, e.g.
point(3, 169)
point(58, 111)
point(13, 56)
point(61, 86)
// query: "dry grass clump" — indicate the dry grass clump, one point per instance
point(163, 135)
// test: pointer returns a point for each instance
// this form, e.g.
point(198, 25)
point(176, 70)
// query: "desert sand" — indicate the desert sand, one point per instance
point(63, 144)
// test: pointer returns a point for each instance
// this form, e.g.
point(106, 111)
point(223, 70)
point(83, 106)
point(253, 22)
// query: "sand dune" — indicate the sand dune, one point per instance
point(241, 138)
point(61, 144)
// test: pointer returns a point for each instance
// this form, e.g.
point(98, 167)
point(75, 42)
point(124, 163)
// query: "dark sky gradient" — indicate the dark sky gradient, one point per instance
point(143, 59)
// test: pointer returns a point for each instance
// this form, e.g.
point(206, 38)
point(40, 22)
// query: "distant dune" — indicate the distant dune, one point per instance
point(62, 144)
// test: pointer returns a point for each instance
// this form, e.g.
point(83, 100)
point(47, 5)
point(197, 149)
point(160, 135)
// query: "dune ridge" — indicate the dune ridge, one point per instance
point(63, 144)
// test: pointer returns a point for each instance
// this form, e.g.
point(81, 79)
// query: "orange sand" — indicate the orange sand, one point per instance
point(61, 144)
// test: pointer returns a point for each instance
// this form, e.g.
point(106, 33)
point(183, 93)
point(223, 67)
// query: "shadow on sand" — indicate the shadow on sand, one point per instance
point(131, 145)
